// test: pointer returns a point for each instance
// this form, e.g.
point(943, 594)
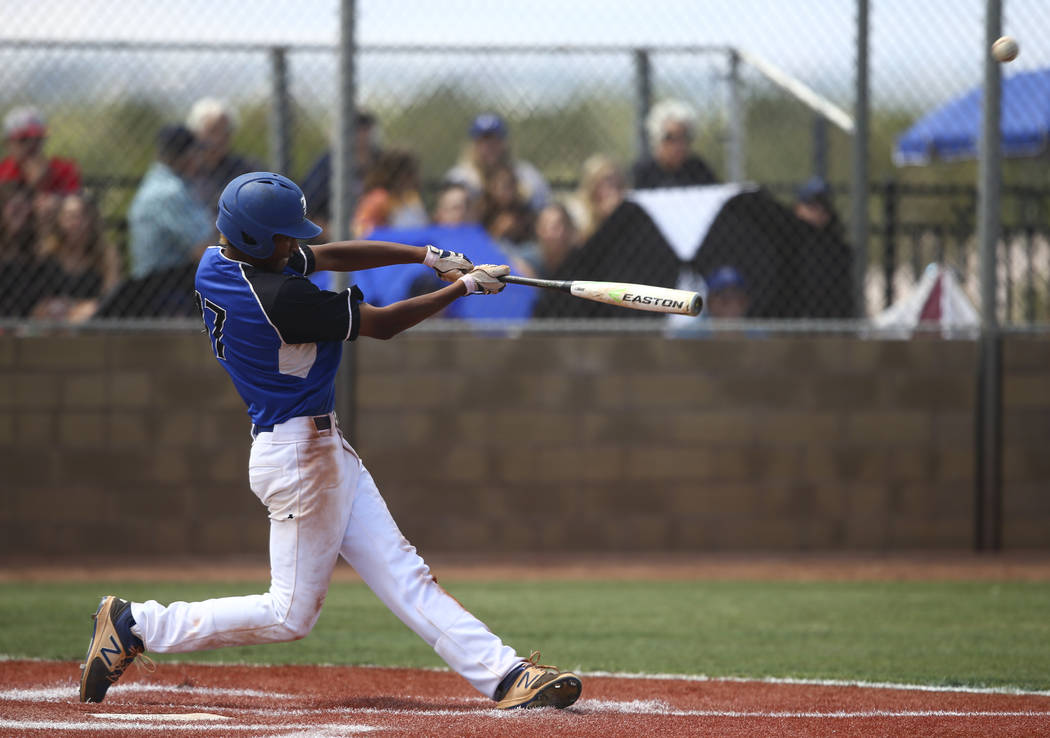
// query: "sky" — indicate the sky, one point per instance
point(922, 51)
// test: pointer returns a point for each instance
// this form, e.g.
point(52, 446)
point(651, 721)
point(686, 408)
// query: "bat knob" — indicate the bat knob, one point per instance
point(696, 305)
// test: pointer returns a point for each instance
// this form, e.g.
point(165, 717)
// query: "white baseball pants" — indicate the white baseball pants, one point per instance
point(324, 504)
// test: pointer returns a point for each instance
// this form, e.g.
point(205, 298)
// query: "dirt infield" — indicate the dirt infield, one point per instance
point(39, 698)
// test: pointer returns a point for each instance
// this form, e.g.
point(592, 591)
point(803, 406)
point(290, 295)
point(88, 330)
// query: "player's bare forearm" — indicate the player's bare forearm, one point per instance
point(352, 256)
point(387, 322)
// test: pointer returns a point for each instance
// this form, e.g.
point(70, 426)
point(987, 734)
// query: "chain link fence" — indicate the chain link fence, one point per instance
point(662, 146)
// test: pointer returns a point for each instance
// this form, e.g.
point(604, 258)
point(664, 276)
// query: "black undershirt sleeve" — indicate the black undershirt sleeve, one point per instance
point(303, 313)
point(302, 260)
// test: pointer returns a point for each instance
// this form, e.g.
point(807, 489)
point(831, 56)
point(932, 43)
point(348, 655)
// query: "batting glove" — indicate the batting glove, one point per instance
point(485, 279)
point(449, 265)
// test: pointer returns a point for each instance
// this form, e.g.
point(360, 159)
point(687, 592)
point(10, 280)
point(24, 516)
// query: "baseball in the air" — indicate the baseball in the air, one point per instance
point(1005, 49)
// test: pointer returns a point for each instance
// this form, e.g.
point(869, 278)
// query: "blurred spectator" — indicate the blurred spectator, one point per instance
point(17, 227)
point(391, 196)
point(487, 151)
point(556, 238)
point(727, 295)
point(318, 180)
point(671, 126)
point(18, 286)
point(213, 123)
point(77, 263)
point(813, 205)
point(505, 212)
point(602, 188)
point(25, 132)
point(168, 226)
point(317, 183)
point(454, 206)
point(824, 261)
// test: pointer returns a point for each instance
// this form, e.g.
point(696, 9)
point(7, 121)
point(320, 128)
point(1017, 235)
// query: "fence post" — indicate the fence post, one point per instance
point(1029, 299)
point(889, 238)
point(643, 100)
point(280, 112)
point(859, 183)
point(989, 382)
point(342, 193)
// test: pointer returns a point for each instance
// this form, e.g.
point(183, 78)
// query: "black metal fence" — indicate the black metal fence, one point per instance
point(914, 225)
point(562, 105)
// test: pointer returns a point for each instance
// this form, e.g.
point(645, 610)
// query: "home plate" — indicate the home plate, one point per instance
point(161, 717)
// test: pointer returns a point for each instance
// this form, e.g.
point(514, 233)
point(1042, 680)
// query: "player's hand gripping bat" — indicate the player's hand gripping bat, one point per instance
point(624, 294)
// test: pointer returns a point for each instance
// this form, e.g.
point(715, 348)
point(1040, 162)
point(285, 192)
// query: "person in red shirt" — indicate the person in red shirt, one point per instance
point(25, 131)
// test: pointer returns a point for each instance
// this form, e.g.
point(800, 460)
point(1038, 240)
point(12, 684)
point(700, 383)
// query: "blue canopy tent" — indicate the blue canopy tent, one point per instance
point(952, 131)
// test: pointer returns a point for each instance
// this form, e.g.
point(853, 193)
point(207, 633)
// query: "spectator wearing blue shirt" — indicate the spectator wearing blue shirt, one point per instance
point(168, 226)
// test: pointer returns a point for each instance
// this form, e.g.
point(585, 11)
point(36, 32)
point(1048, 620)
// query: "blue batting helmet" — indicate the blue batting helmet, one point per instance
point(257, 206)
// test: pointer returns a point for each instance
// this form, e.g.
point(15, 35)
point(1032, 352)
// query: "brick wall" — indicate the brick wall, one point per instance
point(1026, 441)
point(120, 443)
point(113, 443)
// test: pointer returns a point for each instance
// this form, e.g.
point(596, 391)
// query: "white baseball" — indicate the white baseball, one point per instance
point(1005, 49)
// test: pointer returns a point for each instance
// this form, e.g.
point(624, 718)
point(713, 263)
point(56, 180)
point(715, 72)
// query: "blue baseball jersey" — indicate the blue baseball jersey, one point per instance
point(278, 336)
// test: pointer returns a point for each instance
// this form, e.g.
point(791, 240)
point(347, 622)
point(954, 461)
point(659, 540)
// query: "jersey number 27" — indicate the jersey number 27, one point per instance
point(220, 319)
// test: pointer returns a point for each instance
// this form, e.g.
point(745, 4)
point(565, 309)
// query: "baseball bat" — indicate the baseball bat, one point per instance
point(623, 294)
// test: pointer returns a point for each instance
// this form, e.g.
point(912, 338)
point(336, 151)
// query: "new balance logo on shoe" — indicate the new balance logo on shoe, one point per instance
point(116, 650)
point(525, 682)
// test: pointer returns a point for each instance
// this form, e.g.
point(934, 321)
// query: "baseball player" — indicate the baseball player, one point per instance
point(280, 339)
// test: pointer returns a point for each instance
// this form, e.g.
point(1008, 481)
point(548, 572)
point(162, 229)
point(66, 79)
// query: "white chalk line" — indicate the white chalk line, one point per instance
point(162, 717)
point(64, 692)
point(820, 683)
point(256, 729)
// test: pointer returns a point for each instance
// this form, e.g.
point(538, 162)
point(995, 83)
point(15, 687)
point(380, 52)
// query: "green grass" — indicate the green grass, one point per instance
point(937, 633)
